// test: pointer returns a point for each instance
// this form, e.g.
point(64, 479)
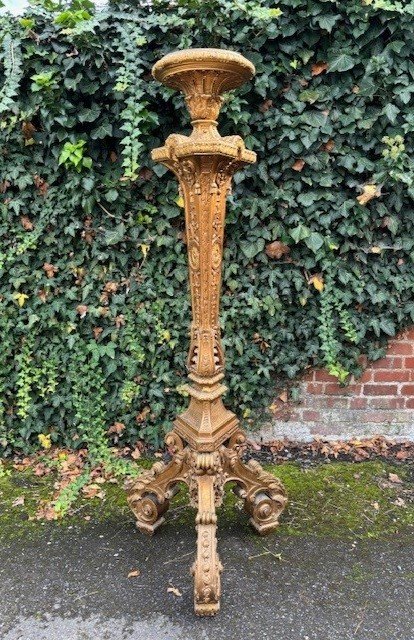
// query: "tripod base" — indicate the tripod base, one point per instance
point(205, 474)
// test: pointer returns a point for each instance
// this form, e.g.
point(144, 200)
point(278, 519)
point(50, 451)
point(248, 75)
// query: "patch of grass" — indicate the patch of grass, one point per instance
point(340, 499)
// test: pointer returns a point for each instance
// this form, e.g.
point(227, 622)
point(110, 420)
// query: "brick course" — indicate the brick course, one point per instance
point(381, 401)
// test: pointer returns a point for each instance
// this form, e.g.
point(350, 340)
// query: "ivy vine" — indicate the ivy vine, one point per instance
point(319, 251)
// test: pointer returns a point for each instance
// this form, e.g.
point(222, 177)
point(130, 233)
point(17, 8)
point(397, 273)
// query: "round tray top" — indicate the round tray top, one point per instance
point(235, 67)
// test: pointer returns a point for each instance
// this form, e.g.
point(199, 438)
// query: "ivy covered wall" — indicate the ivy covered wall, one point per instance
point(320, 233)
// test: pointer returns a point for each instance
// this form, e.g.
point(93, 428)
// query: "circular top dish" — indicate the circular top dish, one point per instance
point(231, 64)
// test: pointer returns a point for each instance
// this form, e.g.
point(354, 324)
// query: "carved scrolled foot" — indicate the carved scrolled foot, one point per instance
point(149, 495)
point(264, 511)
point(264, 495)
point(264, 505)
point(207, 566)
point(149, 513)
point(147, 503)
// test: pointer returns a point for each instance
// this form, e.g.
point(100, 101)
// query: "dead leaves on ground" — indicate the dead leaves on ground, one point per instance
point(356, 450)
point(394, 478)
point(26, 223)
point(66, 466)
point(266, 105)
point(93, 491)
point(116, 430)
point(49, 269)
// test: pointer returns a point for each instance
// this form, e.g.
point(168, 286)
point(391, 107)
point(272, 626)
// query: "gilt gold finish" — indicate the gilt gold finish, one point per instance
point(206, 443)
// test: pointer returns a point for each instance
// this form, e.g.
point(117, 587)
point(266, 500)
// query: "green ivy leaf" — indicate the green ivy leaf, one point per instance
point(342, 62)
point(113, 236)
point(314, 241)
point(391, 111)
point(327, 22)
point(300, 233)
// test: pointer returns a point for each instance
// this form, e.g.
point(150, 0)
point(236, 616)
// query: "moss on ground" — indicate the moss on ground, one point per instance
point(330, 500)
point(347, 500)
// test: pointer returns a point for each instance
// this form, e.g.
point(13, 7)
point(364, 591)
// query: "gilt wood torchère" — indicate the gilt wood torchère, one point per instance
point(206, 442)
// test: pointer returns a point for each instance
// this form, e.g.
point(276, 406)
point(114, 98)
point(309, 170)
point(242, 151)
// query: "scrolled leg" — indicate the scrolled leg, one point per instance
point(149, 495)
point(264, 495)
point(207, 566)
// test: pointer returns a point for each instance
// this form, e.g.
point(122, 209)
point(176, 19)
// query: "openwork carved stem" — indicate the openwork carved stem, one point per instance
point(206, 441)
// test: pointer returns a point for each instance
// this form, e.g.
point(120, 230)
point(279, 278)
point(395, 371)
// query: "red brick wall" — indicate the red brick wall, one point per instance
point(380, 402)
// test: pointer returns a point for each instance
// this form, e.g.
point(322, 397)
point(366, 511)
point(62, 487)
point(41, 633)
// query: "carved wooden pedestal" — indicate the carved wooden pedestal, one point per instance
point(206, 441)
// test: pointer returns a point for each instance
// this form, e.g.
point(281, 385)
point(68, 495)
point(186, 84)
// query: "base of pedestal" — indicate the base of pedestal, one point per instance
point(206, 424)
point(206, 473)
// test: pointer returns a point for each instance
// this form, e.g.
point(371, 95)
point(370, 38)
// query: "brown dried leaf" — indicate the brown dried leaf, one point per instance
point(119, 321)
point(266, 105)
point(26, 223)
point(402, 455)
point(117, 428)
point(49, 269)
point(141, 416)
point(145, 173)
point(134, 573)
point(82, 309)
point(277, 250)
point(393, 477)
point(41, 470)
point(318, 68)
point(399, 502)
point(328, 146)
point(111, 287)
point(18, 501)
point(369, 191)
point(41, 185)
point(298, 165)
point(361, 454)
point(97, 332)
point(46, 512)
point(253, 444)
point(93, 491)
point(136, 453)
point(28, 129)
point(284, 396)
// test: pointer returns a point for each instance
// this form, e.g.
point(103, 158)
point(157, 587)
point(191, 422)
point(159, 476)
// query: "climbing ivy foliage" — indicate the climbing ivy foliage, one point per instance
point(320, 232)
